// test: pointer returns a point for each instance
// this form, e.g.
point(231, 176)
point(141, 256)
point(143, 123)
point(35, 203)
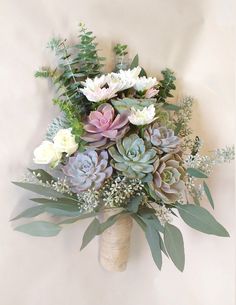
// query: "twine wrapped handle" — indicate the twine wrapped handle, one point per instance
point(115, 241)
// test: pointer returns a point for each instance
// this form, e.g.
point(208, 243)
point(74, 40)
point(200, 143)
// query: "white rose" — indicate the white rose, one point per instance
point(142, 117)
point(64, 141)
point(143, 83)
point(46, 153)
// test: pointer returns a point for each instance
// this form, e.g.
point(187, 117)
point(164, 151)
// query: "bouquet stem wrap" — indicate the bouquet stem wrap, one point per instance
point(115, 242)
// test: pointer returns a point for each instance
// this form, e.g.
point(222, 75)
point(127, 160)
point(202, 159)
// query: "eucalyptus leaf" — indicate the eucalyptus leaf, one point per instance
point(109, 222)
point(90, 233)
point(134, 203)
point(39, 189)
point(42, 175)
point(142, 73)
point(174, 245)
point(139, 221)
point(64, 201)
point(196, 173)
point(31, 212)
point(208, 194)
point(154, 244)
point(75, 219)
point(134, 62)
point(200, 219)
point(171, 107)
point(162, 245)
point(39, 228)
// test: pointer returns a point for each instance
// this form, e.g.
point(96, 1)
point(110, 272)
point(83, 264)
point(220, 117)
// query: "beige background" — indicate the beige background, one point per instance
point(195, 38)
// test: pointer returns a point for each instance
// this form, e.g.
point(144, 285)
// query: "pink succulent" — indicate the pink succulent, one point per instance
point(103, 126)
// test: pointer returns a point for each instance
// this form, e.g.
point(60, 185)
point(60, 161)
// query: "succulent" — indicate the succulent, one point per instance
point(168, 178)
point(162, 138)
point(103, 127)
point(87, 170)
point(132, 157)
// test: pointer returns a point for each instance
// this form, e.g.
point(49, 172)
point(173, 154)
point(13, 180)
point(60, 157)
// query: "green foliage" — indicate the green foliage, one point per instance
point(120, 49)
point(75, 63)
point(153, 240)
point(174, 245)
point(200, 219)
point(166, 85)
point(97, 228)
point(208, 194)
point(135, 62)
point(39, 228)
point(134, 203)
point(87, 61)
point(196, 173)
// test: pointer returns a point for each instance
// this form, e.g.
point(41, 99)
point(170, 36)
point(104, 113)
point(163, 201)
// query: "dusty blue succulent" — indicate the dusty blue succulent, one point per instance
point(162, 138)
point(87, 170)
point(132, 158)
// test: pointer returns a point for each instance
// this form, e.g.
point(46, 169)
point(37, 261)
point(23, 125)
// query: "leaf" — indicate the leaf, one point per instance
point(31, 212)
point(109, 222)
point(134, 62)
point(134, 203)
point(39, 189)
point(58, 211)
point(126, 104)
point(67, 202)
point(174, 245)
point(142, 73)
point(208, 194)
point(39, 228)
point(139, 221)
point(200, 219)
point(90, 233)
point(171, 107)
point(154, 244)
point(162, 245)
point(82, 216)
point(152, 220)
point(196, 173)
point(42, 175)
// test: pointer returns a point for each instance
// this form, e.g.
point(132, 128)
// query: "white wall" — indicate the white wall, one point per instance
point(195, 38)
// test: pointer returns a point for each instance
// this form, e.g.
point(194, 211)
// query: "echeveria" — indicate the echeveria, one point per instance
point(87, 170)
point(168, 178)
point(162, 138)
point(132, 158)
point(103, 126)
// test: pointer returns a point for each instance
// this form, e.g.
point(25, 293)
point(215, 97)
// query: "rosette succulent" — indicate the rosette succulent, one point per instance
point(132, 158)
point(162, 138)
point(168, 178)
point(103, 126)
point(87, 170)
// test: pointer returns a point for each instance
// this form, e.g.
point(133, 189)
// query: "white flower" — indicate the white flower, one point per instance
point(93, 84)
point(46, 153)
point(106, 87)
point(64, 141)
point(95, 91)
point(124, 79)
point(142, 117)
point(143, 83)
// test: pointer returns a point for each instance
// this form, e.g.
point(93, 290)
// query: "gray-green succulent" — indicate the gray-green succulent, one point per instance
point(168, 178)
point(132, 158)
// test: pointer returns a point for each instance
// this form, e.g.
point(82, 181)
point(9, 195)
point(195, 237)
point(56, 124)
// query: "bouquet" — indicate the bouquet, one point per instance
point(121, 150)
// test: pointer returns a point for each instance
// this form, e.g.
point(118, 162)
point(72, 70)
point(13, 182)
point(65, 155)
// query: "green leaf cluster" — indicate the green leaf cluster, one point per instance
point(166, 85)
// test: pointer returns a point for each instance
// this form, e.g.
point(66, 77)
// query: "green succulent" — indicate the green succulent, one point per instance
point(132, 157)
